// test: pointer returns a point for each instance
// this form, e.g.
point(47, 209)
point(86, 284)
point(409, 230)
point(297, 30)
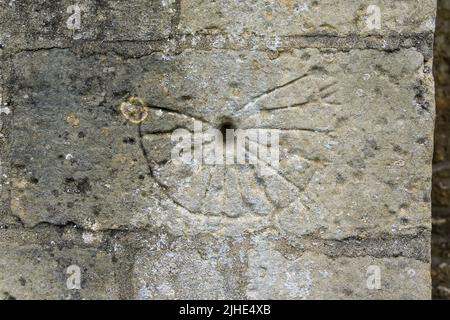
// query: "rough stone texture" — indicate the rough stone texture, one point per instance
point(310, 17)
point(32, 271)
point(81, 185)
point(441, 181)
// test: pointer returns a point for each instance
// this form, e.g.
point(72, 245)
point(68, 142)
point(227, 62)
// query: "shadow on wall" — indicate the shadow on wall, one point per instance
point(441, 164)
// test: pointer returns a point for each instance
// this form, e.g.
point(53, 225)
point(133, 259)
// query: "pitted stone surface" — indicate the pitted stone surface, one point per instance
point(258, 268)
point(36, 271)
point(354, 109)
point(334, 139)
point(42, 24)
point(310, 17)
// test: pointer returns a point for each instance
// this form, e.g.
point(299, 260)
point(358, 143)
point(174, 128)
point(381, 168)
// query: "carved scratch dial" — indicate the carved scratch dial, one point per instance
point(297, 109)
point(112, 166)
point(83, 150)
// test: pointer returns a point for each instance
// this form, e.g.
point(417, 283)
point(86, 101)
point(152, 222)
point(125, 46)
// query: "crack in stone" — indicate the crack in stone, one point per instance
point(421, 41)
point(377, 245)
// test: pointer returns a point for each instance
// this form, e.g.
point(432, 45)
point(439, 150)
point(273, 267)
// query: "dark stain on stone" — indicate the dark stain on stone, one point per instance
point(96, 210)
point(419, 97)
point(357, 163)
point(77, 185)
point(186, 97)
point(8, 296)
point(422, 140)
point(34, 180)
point(348, 292)
point(84, 185)
point(129, 140)
point(369, 148)
point(22, 281)
point(398, 149)
point(340, 179)
point(404, 206)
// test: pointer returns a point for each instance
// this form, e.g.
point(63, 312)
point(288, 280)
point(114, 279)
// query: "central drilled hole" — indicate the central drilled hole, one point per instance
point(227, 124)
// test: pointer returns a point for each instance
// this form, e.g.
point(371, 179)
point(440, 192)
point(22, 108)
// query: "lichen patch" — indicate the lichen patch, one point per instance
point(134, 109)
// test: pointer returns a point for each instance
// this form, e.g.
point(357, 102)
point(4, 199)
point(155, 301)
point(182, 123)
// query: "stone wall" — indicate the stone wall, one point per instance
point(92, 94)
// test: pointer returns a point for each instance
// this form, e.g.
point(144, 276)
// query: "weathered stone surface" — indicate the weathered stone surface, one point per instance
point(292, 18)
point(354, 110)
point(314, 276)
point(143, 265)
point(338, 141)
point(42, 24)
point(258, 268)
point(35, 267)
